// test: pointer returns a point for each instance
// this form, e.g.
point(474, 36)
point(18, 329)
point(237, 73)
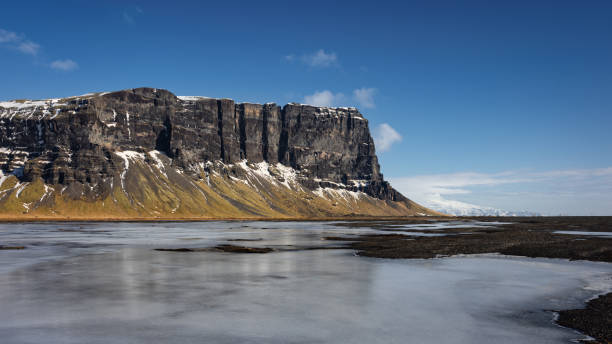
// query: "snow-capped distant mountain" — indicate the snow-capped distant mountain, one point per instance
point(458, 208)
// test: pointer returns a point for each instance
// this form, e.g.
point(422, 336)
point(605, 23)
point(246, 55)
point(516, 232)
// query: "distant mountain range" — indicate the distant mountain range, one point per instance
point(458, 208)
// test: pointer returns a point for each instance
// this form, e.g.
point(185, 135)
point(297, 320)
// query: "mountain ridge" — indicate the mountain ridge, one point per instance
point(145, 152)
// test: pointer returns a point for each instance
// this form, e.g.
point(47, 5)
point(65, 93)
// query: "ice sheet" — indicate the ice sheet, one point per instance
point(104, 283)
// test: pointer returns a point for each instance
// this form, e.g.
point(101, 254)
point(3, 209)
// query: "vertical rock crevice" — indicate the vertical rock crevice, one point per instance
point(264, 133)
point(164, 138)
point(220, 130)
point(242, 131)
point(284, 137)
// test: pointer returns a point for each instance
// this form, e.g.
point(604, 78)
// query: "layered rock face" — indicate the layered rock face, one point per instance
point(147, 146)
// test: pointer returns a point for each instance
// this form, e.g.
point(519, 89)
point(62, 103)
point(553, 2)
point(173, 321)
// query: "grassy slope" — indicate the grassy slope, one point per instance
point(148, 192)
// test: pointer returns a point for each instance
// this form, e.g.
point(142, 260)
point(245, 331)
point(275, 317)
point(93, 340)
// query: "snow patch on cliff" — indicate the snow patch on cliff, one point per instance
point(127, 118)
point(260, 169)
point(48, 191)
point(20, 188)
point(359, 182)
point(192, 98)
point(18, 104)
point(126, 156)
point(2, 177)
point(288, 174)
point(281, 174)
point(332, 194)
point(27, 108)
point(154, 154)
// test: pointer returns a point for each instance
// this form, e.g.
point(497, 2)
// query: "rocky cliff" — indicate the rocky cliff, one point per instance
point(148, 153)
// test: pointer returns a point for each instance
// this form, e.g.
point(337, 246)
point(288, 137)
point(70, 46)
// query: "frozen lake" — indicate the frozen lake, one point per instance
point(105, 283)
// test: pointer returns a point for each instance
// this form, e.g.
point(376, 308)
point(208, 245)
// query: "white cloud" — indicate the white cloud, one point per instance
point(129, 15)
point(289, 57)
point(8, 36)
point(573, 192)
point(12, 40)
point(320, 58)
point(65, 65)
point(430, 190)
point(385, 136)
point(28, 47)
point(454, 183)
point(324, 98)
point(364, 97)
point(18, 42)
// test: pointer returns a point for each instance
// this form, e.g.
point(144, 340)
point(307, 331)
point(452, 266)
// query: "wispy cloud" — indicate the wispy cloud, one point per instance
point(321, 59)
point(324, 98)
point(18, 42)
point(129, 15)
point(64, 65)
point(573, 192)
point(385, 137)
point(28, 47)
point(365, 97)
point(455, 183)
point(317, 59)
point(8, 36)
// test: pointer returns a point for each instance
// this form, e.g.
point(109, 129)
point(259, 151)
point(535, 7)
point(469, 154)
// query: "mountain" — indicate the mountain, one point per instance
point(459, 208)
point(146, 153)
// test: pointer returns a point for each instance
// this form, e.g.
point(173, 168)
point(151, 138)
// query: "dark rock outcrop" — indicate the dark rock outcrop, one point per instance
point(71, 140)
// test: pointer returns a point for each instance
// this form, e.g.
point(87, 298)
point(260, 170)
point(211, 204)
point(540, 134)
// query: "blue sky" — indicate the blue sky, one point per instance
point(465, 87)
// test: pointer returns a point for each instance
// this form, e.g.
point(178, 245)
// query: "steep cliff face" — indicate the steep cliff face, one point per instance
point(145, 152)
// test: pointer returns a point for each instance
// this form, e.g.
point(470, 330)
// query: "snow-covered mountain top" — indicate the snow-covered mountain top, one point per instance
point(458, 208)
point(40, 103)
point(20, 104)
